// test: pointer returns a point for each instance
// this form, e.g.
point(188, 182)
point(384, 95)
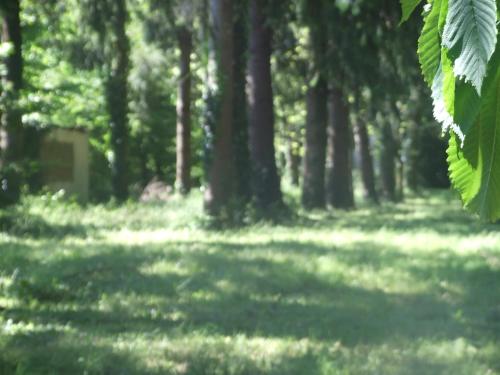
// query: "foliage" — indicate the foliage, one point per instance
point(57, 92)
point(152, 115)
point(459, 56)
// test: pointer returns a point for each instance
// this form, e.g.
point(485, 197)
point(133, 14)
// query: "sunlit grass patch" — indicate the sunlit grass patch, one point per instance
point(145, 289)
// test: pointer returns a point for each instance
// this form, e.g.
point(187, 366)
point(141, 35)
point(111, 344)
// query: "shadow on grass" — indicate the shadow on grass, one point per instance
point(225, 289)
point(228, 294)
point(23, 224)
point(50, 352)
point(434, 212)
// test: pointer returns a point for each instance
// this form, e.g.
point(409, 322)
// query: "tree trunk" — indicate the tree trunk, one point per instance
point(11, 130)
point(266, 182)
point(313, 188)
point(365, 154)
point(117, 103)
point(388, 161)
point(143, 162)
point(293, 162)
point(400, 180)
point(240, 136)
point(412, 156)
point(183, 143)
point(219, 192)
point(339, 161)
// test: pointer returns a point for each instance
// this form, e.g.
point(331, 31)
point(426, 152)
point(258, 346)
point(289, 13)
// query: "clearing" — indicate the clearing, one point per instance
point(412, 288)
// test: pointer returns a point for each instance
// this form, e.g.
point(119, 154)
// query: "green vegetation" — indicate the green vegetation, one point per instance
point(245, 187)
point(459, 56)
point(410, 288)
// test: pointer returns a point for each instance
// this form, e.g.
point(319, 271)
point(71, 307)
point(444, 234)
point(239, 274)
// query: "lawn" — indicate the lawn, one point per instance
point(412, 288)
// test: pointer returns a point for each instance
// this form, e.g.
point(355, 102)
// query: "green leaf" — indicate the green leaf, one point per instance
point(448, 82)
point(471, 28)
point(475, 169)
point(408, 6)
point(429, 42)
point(443, 95)
point(466, 106)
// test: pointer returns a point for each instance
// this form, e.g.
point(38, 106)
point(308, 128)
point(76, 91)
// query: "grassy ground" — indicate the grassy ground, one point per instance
point(406, 289)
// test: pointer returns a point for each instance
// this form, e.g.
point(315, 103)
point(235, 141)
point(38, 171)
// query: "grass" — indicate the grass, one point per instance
point(412, 288)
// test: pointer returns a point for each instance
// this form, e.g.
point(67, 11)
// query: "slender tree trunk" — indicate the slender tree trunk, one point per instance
point(388, 161)
point(219, 192)
point(412, 173)
point(313, 188)
point(367, 170)
point(11, 130)
point(183, 143)
point(339, 184)
point(117, 102)
point(293, 162)
point(143, 159)
point(413, 153)
point(266, 182)
point(240, 136)
point(400, 181)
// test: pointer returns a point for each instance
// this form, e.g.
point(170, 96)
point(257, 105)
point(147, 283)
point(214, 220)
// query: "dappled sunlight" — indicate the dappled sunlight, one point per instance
point(321, 295)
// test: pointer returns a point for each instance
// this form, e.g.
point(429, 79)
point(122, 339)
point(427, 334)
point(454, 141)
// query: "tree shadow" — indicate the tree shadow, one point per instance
point(20, 223)
point(226, 294)
point(50, 352)
point(258, 290)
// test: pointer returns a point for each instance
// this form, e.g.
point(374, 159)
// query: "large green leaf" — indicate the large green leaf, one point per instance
point(471, 28)
point(466, 106)
point(443, 95)
point(429, 42)
point(475, 168)
point(408, 6)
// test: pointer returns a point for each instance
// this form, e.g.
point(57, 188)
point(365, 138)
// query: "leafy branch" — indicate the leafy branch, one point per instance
point(459, 57)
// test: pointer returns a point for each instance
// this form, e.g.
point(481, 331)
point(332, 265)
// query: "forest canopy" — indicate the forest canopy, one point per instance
point(243, 98)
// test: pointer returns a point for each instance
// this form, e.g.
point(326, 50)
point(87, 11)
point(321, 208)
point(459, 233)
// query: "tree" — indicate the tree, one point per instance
point(365, 152)
point(313, 188)
point(11, 115)
point(339, 184)
point(240, 135)
point(109, 19)
point(219, 192)
point(117, 100)
point(266, 182)
point(339, 165)
point(183, 175)
point(152, 117)
point(388, 154)
point(167, 18)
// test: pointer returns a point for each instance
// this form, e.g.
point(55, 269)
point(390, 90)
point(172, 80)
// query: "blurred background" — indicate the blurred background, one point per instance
point(108, 97)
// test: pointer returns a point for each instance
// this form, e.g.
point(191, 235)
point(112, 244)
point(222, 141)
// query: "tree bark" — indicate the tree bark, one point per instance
point(388, 162)
point(339, 161)
point(412, 172)
point(219, 192)
point(117, 102)
point(11, 131)
point(266, 182)
point(293, 162)
point(313, 188)
point(183, 141)
point(365, 154)
point(240, 136)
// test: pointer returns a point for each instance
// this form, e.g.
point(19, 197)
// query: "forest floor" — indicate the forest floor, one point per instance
point(412, 288)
